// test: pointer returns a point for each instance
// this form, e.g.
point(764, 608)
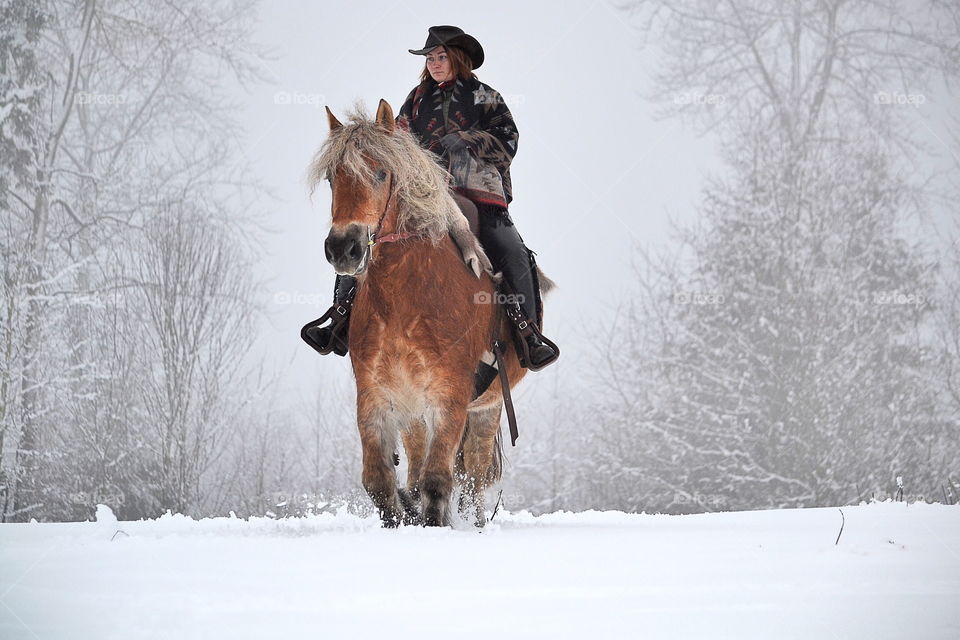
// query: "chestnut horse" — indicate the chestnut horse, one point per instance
point(422, 319)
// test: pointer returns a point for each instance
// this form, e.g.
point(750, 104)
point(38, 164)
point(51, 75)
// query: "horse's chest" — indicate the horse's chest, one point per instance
point(396, 361)
point(404, 383)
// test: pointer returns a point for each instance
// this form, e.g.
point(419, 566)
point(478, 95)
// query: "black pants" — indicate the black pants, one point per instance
point(509, 255)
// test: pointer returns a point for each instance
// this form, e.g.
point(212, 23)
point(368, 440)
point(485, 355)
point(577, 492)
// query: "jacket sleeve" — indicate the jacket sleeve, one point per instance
point(406, 111)
point(494, 139)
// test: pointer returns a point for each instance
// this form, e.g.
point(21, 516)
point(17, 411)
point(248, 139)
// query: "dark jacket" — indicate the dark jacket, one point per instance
point(479, 117)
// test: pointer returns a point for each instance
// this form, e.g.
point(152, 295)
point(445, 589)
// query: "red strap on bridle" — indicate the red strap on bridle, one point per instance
point(374, 237)
point(395, 237)
point(390, 237)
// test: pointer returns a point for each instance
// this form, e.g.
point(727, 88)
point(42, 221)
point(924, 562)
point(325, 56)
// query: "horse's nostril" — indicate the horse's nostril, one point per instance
point(327, 250)
point(339, 248)
point(355, 251)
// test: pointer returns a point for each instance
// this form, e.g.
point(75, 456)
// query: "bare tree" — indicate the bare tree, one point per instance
point(126, 122)
point(550, 472)
point(945, 378)
point(194, 324)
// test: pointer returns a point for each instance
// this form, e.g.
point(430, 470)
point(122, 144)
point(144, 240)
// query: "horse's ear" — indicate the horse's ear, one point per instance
point(332, 119)
point(385, 116)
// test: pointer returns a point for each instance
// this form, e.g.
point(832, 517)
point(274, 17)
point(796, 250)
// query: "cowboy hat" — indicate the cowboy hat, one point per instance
point(448, 35)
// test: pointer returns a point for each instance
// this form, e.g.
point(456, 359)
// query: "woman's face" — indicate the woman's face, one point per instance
point(438, 64)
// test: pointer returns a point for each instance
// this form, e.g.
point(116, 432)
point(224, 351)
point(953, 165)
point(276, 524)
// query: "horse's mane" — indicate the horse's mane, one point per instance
point(425, 205)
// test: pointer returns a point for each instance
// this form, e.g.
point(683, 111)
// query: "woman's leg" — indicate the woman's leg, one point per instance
point(510, 256)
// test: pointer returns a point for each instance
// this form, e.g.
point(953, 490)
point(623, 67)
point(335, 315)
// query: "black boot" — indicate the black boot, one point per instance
point(510, 256)
point(536, 351)
point(334, 336)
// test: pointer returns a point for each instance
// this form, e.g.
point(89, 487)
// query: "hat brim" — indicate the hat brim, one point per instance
point(423, 52)
point(466, 42)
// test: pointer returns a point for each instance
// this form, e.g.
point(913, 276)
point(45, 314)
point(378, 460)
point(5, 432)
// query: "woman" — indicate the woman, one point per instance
point(467, 123)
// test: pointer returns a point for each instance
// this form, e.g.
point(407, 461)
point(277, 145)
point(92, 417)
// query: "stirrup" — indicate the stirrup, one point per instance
point(524, 329)
point(340, 313)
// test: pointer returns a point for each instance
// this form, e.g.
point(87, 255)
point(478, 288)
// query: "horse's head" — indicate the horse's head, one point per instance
point(361, 183)
point(382, 181)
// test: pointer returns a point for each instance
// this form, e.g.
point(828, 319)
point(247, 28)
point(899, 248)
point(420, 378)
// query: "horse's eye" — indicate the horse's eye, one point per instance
point(381, 175)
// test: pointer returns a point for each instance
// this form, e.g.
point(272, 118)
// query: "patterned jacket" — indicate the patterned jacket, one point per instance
point(480, 117)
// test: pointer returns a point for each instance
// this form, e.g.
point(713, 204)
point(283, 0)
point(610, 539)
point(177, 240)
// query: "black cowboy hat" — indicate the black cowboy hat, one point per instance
point(448, 35)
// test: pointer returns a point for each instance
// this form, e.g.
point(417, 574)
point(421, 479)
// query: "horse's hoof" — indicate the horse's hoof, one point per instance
point(435, 491)
point(390, 522)
point(436, 516)
point(411, 511)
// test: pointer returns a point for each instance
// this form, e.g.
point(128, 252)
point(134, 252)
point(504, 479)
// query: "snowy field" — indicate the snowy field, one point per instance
point(763, 574)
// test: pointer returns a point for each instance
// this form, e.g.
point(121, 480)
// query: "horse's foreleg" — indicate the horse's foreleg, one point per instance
point(436, 481)
point(378, 437)
point(415, 445)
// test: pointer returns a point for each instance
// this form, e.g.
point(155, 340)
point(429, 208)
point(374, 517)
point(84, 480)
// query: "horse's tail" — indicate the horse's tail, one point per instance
point(546, 284)
point(495, 471)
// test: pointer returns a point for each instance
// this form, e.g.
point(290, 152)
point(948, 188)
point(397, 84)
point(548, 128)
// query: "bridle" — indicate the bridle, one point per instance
point(374, 237)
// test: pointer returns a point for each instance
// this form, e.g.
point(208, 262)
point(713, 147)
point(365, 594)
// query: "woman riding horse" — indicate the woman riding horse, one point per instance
point(467, 122)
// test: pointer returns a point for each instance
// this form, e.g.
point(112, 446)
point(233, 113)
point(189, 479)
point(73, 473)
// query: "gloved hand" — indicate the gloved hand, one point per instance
point(453, 143)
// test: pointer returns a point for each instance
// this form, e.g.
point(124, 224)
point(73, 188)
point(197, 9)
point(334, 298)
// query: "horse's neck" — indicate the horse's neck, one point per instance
point(412, 268)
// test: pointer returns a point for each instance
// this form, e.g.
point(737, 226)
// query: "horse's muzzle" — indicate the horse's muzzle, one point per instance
point(346, 248)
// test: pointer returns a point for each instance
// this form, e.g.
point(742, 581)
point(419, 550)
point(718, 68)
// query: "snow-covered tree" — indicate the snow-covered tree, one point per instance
point(22, 89)
point(780, 354)
point(133, 119)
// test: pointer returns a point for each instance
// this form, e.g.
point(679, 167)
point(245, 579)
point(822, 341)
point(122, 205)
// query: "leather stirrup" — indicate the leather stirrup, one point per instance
point(524, 329)
point(339, 313)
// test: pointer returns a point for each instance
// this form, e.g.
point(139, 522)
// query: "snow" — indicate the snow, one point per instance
point(761, 574)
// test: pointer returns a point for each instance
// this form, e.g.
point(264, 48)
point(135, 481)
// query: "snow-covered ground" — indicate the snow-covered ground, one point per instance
point(763, 574)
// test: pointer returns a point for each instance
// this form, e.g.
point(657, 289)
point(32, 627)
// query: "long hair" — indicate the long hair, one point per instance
point(460, 64)
point(420, 182)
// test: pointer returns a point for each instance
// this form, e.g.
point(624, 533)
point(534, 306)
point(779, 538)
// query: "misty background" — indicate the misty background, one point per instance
point(749, 208)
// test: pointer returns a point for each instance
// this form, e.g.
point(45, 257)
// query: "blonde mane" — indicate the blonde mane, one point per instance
point(421, 184)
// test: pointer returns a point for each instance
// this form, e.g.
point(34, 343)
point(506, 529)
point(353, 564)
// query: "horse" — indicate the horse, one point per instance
point(424, 315)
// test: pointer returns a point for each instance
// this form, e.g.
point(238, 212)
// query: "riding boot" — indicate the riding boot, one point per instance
point(334, 336)
point(510, 256)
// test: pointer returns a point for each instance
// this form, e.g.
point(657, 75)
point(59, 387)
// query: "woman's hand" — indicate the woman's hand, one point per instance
point(453, 143)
